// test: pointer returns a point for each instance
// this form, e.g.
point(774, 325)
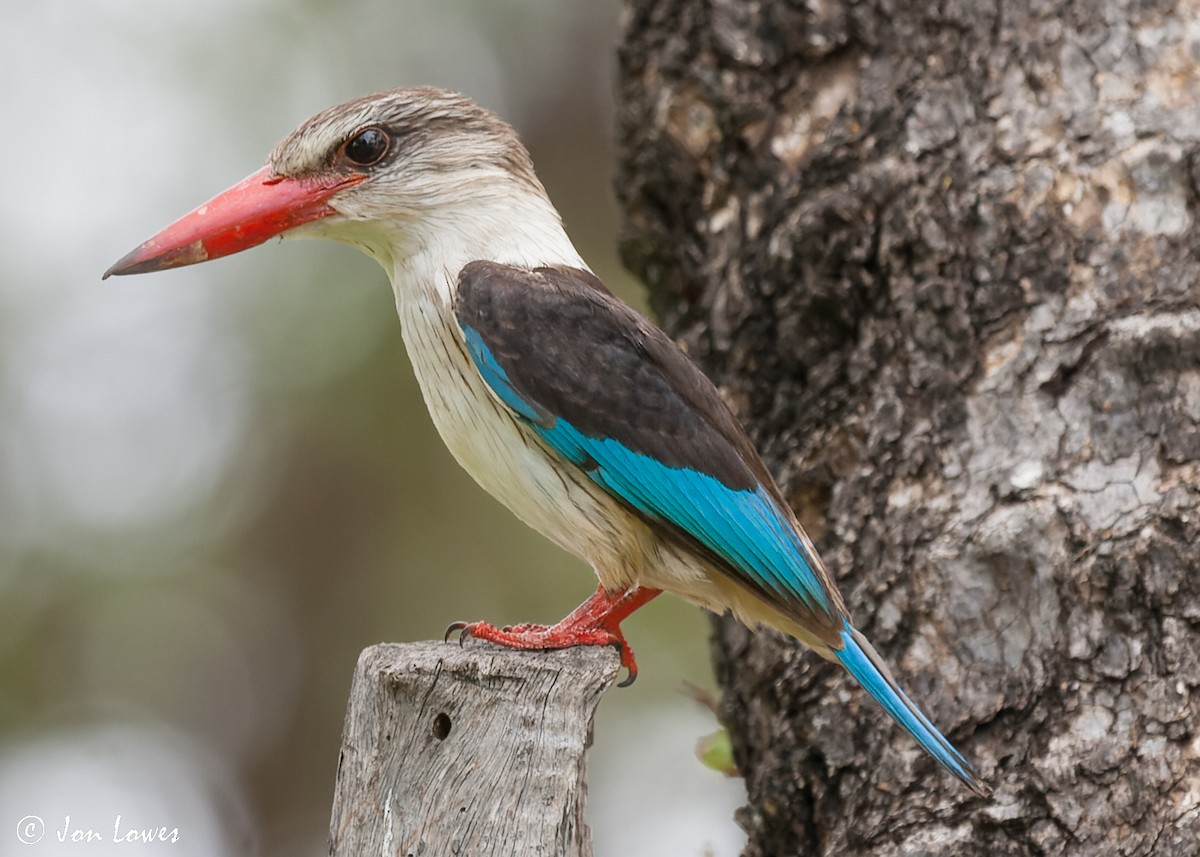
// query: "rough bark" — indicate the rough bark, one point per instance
point(942, 259)
point(476, 750)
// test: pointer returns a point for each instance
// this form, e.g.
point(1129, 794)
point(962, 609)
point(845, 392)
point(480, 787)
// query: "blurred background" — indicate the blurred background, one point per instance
point(218, 484)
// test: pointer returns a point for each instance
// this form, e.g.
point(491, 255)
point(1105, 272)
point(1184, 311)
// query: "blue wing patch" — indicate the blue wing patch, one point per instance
point(498, 380)
point(744, 527)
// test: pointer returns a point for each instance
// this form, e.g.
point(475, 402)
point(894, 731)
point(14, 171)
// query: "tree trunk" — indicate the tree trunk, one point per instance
point(941, 257)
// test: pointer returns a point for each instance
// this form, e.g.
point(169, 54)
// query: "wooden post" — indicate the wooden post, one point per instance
point(472, 750)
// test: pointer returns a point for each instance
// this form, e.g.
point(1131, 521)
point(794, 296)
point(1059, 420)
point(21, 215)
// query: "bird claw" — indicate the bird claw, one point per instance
point(531, 636)
point(627, 661)
point(464, 629)
point(595, 622)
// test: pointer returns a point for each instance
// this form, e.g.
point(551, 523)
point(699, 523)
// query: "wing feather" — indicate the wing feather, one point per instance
point(612, 395)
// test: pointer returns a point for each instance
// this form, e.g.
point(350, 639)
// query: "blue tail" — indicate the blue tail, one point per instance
point(864, 663)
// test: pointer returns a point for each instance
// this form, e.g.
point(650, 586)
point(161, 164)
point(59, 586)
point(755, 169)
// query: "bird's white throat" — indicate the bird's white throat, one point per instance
point(521, 228)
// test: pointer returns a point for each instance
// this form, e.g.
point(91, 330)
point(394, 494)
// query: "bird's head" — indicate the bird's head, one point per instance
point(388, 172)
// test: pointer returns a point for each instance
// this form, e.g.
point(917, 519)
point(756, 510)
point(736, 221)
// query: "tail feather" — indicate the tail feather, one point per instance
point(863, 662)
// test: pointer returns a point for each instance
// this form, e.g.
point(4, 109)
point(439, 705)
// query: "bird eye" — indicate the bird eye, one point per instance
point(368, 146)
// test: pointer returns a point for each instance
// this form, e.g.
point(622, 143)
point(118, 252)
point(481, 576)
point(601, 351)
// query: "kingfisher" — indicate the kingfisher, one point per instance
point(578, 414)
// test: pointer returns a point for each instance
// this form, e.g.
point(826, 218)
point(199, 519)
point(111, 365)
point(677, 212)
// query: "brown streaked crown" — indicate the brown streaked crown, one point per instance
point(431, 128)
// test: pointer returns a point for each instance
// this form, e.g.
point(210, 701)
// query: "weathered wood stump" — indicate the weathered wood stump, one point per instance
point(475, 751)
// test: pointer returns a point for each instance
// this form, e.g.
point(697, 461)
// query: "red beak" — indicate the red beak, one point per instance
point(258, 207)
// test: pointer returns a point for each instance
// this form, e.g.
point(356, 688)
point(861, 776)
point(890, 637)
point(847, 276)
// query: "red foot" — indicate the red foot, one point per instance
point(595, 622)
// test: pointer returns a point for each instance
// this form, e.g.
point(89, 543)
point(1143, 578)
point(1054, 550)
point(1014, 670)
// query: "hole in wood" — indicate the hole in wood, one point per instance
point(441, 726)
